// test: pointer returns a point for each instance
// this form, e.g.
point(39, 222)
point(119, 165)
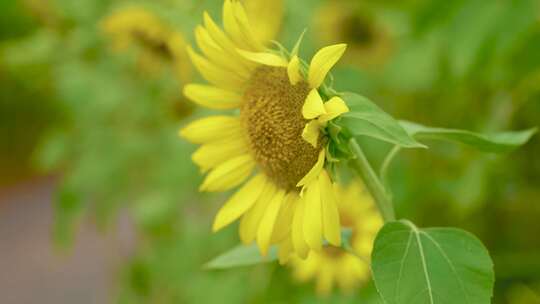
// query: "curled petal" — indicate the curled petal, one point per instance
point(311, 132)
point(334, 107)
point(313, 174)
point(293, 70)
point(313, 106)
point(322, 62)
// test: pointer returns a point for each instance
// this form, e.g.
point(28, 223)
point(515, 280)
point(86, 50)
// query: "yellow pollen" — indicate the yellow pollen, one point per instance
point(272, 114)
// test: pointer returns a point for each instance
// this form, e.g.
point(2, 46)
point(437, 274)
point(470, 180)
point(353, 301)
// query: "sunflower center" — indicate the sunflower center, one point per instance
point(272, 114)
point(359, 29)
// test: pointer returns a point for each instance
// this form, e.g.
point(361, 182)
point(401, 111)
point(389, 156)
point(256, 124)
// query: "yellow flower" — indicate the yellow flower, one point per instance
point(265, 16)
point(273, 145)
point(523, 294)
point(335, 266)
point(370, 42)
point(161, 44)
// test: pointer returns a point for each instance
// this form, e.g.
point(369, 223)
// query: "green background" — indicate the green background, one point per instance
point(72, 107)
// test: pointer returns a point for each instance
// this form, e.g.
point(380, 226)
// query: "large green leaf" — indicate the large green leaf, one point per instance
point(497, 142)
point(365, 118)
point(241, 256)
point(434, 266)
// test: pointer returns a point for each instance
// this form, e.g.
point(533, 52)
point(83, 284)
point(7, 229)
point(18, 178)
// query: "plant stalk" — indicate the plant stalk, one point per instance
point(361, 165)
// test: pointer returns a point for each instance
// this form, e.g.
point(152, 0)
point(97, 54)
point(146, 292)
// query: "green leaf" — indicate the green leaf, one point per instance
point(433, 265)
point(296, 47)
point(241, 256)
point(365, 118)
point(249, 255)
point(497, 142)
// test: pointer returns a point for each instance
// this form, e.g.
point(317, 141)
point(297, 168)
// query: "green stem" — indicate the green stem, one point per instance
point(374, 185)
point(386, 163)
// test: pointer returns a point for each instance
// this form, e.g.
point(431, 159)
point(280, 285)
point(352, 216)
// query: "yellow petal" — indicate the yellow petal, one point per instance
point(299, 244)
point(240, 202)
point(322, 62)
point(229, 174)
point(249, 224)
point(334, 107)
point(313, 216)
point(219, 36)
point(311, 132)
point(231, 25)
point(217, 55)
point(308, 268)
point(266, 227)
point(212, 128)
point(265, 17)
point(293, 70)
point(313, 105)
point(325, 280)
point(214, 74)
point(313, 174)
point(212, 97)
point(210, 155)
point(285, 250)
point(264, 58)
point(285, 217)
point(330, 213)
point(245, 27)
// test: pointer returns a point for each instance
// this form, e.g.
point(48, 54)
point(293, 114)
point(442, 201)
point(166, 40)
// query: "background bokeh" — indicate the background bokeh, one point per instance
point(98, 199)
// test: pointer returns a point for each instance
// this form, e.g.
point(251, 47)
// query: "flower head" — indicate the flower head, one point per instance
point(370, 41)
point(275, 147)
point(335, 266)
point(159, 43)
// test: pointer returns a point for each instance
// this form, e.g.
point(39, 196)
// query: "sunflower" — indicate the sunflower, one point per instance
point(159, 43)
point(265, 25)
point(335, 266)
point(370, 41)
point(274, 144)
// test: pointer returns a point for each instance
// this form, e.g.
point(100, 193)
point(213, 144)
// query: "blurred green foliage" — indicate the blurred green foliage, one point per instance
point(109, 129)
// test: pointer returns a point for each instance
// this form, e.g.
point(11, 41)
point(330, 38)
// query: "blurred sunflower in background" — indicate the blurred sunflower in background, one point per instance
point(279, 133)
point(369, 41)
point(160, 45)
point(43, 11)
point(334, 265)
point(523, 294)
point(89, 90)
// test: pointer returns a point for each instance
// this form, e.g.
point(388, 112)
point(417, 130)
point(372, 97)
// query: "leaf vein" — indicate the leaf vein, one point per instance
point(449, 264)
point(401, 266)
